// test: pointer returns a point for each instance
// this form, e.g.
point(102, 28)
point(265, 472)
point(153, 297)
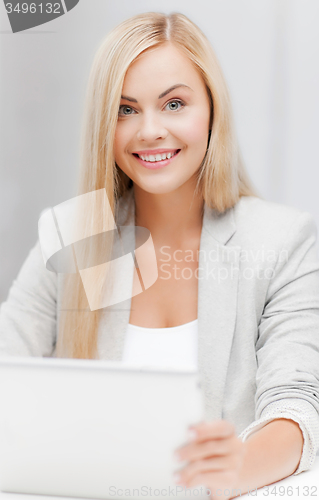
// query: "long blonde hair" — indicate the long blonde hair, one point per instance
point(222, 178)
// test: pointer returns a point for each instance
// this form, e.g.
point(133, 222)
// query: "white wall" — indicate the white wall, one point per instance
point(269, 50)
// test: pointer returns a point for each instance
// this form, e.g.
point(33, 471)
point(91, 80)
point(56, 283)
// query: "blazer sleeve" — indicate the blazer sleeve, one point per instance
point(28, 316)
point(287, 347)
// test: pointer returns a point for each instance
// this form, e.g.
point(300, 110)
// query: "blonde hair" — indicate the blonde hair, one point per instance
point(222, 178)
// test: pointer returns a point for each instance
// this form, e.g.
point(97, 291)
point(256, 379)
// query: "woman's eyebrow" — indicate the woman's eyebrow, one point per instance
point(163, 94)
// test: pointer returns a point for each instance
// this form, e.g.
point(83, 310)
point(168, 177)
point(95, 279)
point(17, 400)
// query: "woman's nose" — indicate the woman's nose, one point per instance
point(151, 128)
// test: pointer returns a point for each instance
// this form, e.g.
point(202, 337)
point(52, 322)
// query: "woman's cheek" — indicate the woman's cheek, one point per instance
point(196, 132)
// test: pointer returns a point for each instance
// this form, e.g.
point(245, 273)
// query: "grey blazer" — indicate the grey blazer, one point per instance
point(258, 316)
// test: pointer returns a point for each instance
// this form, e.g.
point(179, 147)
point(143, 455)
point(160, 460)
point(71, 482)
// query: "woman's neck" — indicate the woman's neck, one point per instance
point(174, 217)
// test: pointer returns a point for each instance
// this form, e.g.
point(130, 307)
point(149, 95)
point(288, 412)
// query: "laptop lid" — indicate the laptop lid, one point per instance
point(93, 429)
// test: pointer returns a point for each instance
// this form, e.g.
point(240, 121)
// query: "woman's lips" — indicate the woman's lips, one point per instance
point(153, 165)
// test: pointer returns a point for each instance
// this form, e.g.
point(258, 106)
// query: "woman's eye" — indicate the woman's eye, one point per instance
point(175, 105)
point(125, 108)
point(175, 102)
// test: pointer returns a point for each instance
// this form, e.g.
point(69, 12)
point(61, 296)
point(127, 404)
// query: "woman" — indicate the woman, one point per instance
point(238, 274)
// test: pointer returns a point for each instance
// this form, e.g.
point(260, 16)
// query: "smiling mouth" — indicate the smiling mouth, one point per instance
point(157, 158)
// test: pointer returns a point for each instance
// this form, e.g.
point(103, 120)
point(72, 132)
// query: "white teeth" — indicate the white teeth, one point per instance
point(158, 157)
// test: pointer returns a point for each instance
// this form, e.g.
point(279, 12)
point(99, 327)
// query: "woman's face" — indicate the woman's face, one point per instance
point(155, 118)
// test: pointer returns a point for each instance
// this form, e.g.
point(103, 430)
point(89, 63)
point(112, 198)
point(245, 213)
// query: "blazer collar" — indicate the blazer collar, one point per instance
point(221, 227)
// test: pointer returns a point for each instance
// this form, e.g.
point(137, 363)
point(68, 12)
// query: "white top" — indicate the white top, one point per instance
point(166, 347)
point(177, 347)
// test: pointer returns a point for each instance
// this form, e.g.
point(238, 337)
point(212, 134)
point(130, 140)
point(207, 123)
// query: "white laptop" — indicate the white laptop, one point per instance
point(94, 429)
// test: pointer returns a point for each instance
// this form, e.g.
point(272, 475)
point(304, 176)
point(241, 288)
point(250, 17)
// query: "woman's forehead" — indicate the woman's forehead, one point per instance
point(167, 53)
point(158, 69)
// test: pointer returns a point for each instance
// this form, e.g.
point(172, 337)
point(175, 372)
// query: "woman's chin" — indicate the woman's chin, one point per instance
point(155, 188)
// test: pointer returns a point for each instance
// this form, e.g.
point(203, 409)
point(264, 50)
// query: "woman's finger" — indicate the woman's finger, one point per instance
point(219, 488)
point(215, 447)
point(217, 429)
point(212, 465)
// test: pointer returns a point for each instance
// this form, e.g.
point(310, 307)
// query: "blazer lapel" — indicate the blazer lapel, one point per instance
point(115, 318)
point(217, 303)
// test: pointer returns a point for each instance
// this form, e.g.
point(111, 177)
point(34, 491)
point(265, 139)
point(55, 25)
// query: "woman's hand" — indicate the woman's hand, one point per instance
point(215, 458)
